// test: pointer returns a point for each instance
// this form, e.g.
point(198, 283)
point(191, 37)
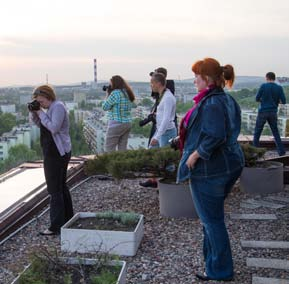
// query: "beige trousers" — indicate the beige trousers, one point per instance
point(117, 137)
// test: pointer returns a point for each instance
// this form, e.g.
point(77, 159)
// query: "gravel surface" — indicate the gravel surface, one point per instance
point(171, 249)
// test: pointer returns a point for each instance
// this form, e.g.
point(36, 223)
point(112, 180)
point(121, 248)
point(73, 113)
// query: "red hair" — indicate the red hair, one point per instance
point(220, 75)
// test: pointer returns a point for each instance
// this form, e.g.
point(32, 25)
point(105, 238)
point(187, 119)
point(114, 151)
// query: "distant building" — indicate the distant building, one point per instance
point(283, 80)
point(71, 105)
point(249, 121)
point(284, 110)
point(24, 99)
point(81, 115)
point(8, 109)
point(79, 97)
point(24, 134)
point(140, 112)
point(94, 131)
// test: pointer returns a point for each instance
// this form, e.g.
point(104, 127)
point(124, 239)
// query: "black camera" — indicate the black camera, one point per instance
point(107, 88)
point(155, 96)
point(175, 143)
point(151, 118)
point(34, 105)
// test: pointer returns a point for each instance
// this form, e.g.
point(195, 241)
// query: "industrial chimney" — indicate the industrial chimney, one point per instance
point(95, 72)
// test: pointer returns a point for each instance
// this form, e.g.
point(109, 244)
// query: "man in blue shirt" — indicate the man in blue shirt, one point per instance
point(269, 95)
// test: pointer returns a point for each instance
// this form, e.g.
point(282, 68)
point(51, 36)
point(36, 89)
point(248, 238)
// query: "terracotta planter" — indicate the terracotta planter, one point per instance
point(87, 261)
point(91, 241)
point(263, 180)
point(176, 201)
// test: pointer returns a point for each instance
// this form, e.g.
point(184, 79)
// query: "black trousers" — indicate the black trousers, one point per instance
point(55, 170)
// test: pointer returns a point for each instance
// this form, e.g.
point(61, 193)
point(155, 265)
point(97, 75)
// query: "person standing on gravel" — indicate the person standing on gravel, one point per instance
point(212, 160)
point(56, 147)
point(269, 95)
point(165, 119)
point(118, 103)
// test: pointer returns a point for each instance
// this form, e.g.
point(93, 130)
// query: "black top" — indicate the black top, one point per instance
point(47, 143)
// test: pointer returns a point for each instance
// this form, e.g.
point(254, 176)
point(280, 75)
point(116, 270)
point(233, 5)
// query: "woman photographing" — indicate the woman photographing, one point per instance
point(52, 118)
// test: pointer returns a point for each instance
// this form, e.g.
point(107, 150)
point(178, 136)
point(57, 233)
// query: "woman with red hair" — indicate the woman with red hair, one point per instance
point(212, 160)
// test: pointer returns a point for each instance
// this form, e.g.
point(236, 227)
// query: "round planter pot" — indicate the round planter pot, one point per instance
point(263, 180)
point(176, 201)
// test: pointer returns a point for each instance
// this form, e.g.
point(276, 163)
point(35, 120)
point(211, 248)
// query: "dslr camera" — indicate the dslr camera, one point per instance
point(107, 88)
point(150, 118)
point(33, 106)
point(175, 143)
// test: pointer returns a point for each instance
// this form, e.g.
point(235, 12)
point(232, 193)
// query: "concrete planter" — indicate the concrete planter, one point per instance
point(176, 201)
point(263, 180)
point(91, 241)
point(88, 261)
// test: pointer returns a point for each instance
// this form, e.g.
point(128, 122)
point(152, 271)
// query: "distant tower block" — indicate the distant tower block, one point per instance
point(95, 72)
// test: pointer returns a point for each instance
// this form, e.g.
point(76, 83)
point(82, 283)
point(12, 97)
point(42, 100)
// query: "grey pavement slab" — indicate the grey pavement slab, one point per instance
point(265, 244)
point(253, 216)
point(249, 205)
point(263, 280)
point(264, 203)
point(278, 198)
point(268, 263)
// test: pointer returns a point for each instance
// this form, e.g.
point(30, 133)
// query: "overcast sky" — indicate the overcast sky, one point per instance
point(132, 37)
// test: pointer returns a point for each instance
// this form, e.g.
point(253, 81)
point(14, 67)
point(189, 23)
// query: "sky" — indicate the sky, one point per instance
point(133, 37)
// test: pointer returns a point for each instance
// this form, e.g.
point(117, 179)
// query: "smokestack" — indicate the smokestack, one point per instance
point(95, 71)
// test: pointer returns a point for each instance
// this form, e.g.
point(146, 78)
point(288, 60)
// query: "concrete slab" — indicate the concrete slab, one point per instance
point(268, 263)
point(253, 216)
point(249, 205)
point(265, 244)
point(264, 203)
point(263, 280)
point(278, 198)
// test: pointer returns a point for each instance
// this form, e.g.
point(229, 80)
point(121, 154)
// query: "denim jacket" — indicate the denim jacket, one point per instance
point(213, 129)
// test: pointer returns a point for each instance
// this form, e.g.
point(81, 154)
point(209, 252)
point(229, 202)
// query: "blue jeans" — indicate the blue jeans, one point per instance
point(208, 196)
point(169, 134)
point(271, 118)
point(164, 139)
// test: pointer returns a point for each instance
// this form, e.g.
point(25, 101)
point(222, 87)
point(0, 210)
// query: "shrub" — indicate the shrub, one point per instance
point(252, 154)
point(160, 162)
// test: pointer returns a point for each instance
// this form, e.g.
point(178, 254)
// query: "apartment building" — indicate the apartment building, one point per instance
point(23, 134)
point(249, 121)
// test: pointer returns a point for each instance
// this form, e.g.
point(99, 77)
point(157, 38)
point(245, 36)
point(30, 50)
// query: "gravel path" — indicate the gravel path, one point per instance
point(171, 250)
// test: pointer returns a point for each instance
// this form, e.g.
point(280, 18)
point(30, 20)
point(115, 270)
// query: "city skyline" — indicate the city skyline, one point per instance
point(131, 38)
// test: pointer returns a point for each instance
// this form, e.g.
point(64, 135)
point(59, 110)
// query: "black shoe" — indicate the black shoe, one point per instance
point(205, 277)
point(149, 183)
point(47, 232)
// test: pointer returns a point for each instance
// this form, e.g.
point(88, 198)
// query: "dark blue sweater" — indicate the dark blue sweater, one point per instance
point(270, 95)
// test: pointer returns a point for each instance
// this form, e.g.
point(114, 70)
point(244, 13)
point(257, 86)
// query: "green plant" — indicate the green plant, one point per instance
point(105, 277)
point(252, 154)
point(126, 218)
point(47, 267)
point(160, 162)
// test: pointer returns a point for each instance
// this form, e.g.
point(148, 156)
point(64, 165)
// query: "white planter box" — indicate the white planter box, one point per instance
point(91, 241)
point(88, 261)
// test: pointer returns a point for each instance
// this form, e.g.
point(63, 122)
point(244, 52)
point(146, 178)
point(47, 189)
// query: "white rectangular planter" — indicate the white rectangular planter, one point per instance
point(88, 261)
point(91, 241)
